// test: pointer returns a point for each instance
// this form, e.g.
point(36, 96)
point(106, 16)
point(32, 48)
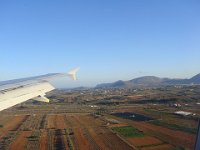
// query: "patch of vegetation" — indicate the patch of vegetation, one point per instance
point(69, 139)
point(174, 126)
point(33, 138)
point(128, 131)
point(6, 138)
point(1, 126)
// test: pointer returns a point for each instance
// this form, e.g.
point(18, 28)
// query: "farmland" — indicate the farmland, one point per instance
point(59, 131)
point(128, 131)
point(79, 120)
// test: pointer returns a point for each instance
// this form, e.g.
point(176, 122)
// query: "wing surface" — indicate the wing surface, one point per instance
point(13, 92)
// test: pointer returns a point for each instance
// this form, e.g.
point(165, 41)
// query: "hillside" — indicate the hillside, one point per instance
point(149, 81)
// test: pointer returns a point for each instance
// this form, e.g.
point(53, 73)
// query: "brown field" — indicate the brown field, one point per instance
point(57, 121)
point(143, 141)
point(60, 131)
point(81, 141)
point(79, 131)
point(4, 119)
point(60, 122)
point(103, 137)
point(51, 121)
point(43, 142)
point(20, 142)
point(174, 137)
point(12, 125)
point(84, 131)
point(159, 147)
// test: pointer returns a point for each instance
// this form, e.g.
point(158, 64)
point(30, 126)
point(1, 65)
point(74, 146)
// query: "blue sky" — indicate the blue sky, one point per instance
point(108, 39)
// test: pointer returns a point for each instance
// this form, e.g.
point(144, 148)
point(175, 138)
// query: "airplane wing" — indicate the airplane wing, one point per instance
point(13, 92)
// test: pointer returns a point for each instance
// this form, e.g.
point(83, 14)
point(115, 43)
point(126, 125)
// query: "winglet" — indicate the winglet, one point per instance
point(72, 73)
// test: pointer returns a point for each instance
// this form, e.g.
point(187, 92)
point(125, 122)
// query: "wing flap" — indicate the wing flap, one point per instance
point(42, 99)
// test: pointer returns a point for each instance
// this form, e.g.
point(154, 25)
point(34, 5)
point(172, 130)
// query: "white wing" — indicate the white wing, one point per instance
point(17, 91)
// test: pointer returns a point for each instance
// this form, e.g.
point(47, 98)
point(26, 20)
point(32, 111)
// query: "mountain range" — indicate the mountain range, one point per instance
point(150, 81)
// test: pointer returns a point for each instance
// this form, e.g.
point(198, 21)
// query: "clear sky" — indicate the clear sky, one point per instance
point(108, 39)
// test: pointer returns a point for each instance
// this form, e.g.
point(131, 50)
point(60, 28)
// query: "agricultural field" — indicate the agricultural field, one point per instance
point(80, 120)
point(58, 131)
point(175, 138)
point(128, 131)
point(139, 139)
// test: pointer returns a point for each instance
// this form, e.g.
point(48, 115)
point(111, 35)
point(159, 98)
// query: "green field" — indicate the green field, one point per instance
point(128, 131)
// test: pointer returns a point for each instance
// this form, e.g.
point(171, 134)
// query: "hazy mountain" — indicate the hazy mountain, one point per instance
point(149, 81)
point(116, 84)
point(195, 79)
